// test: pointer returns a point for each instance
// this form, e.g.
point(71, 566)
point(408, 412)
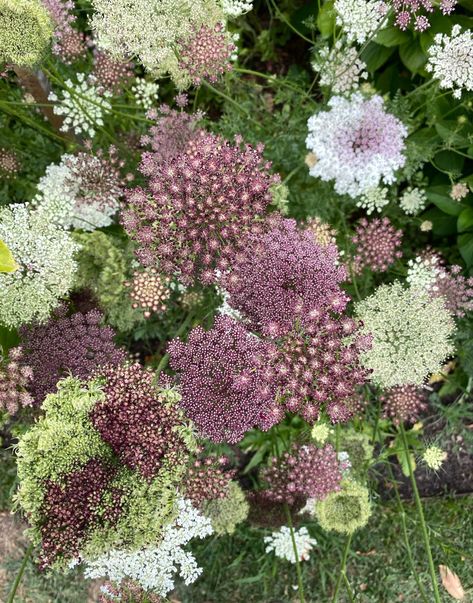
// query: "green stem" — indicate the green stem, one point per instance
point(349, 591)
point(420, 511)
point(296, 554)
point(231, 101)
point(288, 23)
point(342, 569)
point(274, 80)
point(165, 359)
point(19, 576)
point(293, 173)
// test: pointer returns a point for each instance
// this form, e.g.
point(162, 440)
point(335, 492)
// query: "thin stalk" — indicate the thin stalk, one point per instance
point(300, 582)
point(19, 576)
point(165, 359)
point(289, 24)
point(275, 80)
point(349, 591)
point(293, 173)
point(231, 101)
point(342, 569)
point(420, 511)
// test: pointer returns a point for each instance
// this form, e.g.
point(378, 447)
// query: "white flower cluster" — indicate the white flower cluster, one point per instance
point(153, 567)
point(356, 143)
point(413, 201)
point(451, 60)
point(236, 8)
point(145, 93)
point(58, 199)
point(340, 68)
point(281, 543)
point(81, 105)
point(411, 334)
point(359, 19)
point(373, 199)
point(422, 273)
point(45, 255)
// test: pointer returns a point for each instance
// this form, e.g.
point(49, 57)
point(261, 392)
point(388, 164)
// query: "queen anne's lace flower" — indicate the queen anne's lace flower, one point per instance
point(356, 143)
point(413, 201)
point(45, 255)
point(236, 8)
point(281, 543)
point(340, 68)
point(153, 567)
point(81, 105)
point(411, 334)
point(69, 44)
point(451, 60)
point(459, 191)
point(145, 93)
point(359, 19)
point(423, 273)
point(434, 457)
point(373, 199)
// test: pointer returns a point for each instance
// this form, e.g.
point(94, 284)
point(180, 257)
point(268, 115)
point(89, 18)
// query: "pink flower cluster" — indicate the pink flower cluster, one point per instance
point(198, 207)
point(110, 73)
point(9, 164)
point(407, 11)
point(15, 378)
point(207, 479)
point(149, 291)
point(69, 44)
point(377, 245)
point(404, 403)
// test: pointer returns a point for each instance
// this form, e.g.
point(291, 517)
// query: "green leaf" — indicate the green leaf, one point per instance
point(375, 55)
point(448, 161)
point(451, 134)
point(7, 263)
point(257, 457)
point(443, 224)
point(440, 196)
point(413, 56)
point(401, 457)
point(392, 36)
point(465, 245)
point(326, 19)
point(465, 220)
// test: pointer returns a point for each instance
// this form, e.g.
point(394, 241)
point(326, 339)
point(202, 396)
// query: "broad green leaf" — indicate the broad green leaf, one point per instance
point(413, 56)
point(465, 220)
point(392, 36)
point(326, 19)
point(7, 263)
point(465, 245)
point(440, 196)
point(448, 161)
point(443, 224)
point(375, 55)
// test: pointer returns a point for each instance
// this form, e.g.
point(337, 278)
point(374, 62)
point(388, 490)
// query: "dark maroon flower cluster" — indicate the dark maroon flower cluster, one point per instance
point(404, 403)
point(282, 276)
point(169, 138)
point(76, 345)
point(110, 73)
point(377, 245)
point(135, 420)
point(304, 472)
point(318, 366)
point(206, 54)
point(73, 508)
point(127, 592)
point(15, 379)
point(207, 479)
point(199, 206)
point(222, 387)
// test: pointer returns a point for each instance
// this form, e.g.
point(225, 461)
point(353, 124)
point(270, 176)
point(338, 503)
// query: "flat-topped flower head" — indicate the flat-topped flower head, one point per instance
point(377, 245)
point(404, 403)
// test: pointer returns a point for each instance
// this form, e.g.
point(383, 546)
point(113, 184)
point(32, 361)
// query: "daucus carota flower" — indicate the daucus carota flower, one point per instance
point(236, 8)
point(377, 245)
point(407, 12)
point(404, 403)
point(411, 334)
point(207, 480)
point(359, 19)
point(459, 191)
point(145, 93)
point(220, 372)
point(434, 457)
point(451, 60)
point(346, 510)
point(111, 73)
point(45, 255)
point(81, 105)
point(76, 345)
point(303, 472)
point(423, 272)
point(357, 144)
point(413, 201)
point(25, 32)
point(281, 544)
point(323, 232)
point(227, 512)
point(15, 379)
point(149, 291)
point(283, 275)
point(9, 164)
point(69, 44)
point(373, 199)
point(340, 68)
point(200, 205)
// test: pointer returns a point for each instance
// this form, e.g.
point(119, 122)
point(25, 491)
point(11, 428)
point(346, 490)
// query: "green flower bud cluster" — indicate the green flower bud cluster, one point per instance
point(226, 513)
point(344, 511)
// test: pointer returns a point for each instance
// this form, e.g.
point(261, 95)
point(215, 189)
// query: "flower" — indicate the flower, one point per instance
point(206, 480)
point(434, 457)
point(357, 144)
point(340, 68)
point(76, 345)
point(413, 201)
point(320, 432)
point(227, 512)
point(284, 275)
point(361, 18)
point(411, 334)
point(404, 403)
point(451, 60)
point(303, 472)
point(281, 543)
point(323, 232)
point(377, 245)
point(15, 379)
point(220, 375)
point(45, 255)
point(69, 44)
point(373, 199)
point(236, 8)
point(454, 289)
point(110, 73)
point(459, 191)
point(426, 226)
point(81, 105)
point(25, 32)
point(423, 272)
point(9, 164)
point(200, 204)
point(407, 10)
point(149, 291)
point(153, 567)
point(145, 93)
point(345, 510)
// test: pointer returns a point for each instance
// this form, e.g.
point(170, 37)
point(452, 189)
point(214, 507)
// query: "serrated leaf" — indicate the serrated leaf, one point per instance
point(7, 262)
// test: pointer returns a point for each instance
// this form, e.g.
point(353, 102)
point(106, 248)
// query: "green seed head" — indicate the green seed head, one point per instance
point(344, 511)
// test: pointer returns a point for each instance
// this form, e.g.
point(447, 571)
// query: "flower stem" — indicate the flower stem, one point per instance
point(420, 511)
point(19, 576)
point(342, 569)
point(296, 554)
